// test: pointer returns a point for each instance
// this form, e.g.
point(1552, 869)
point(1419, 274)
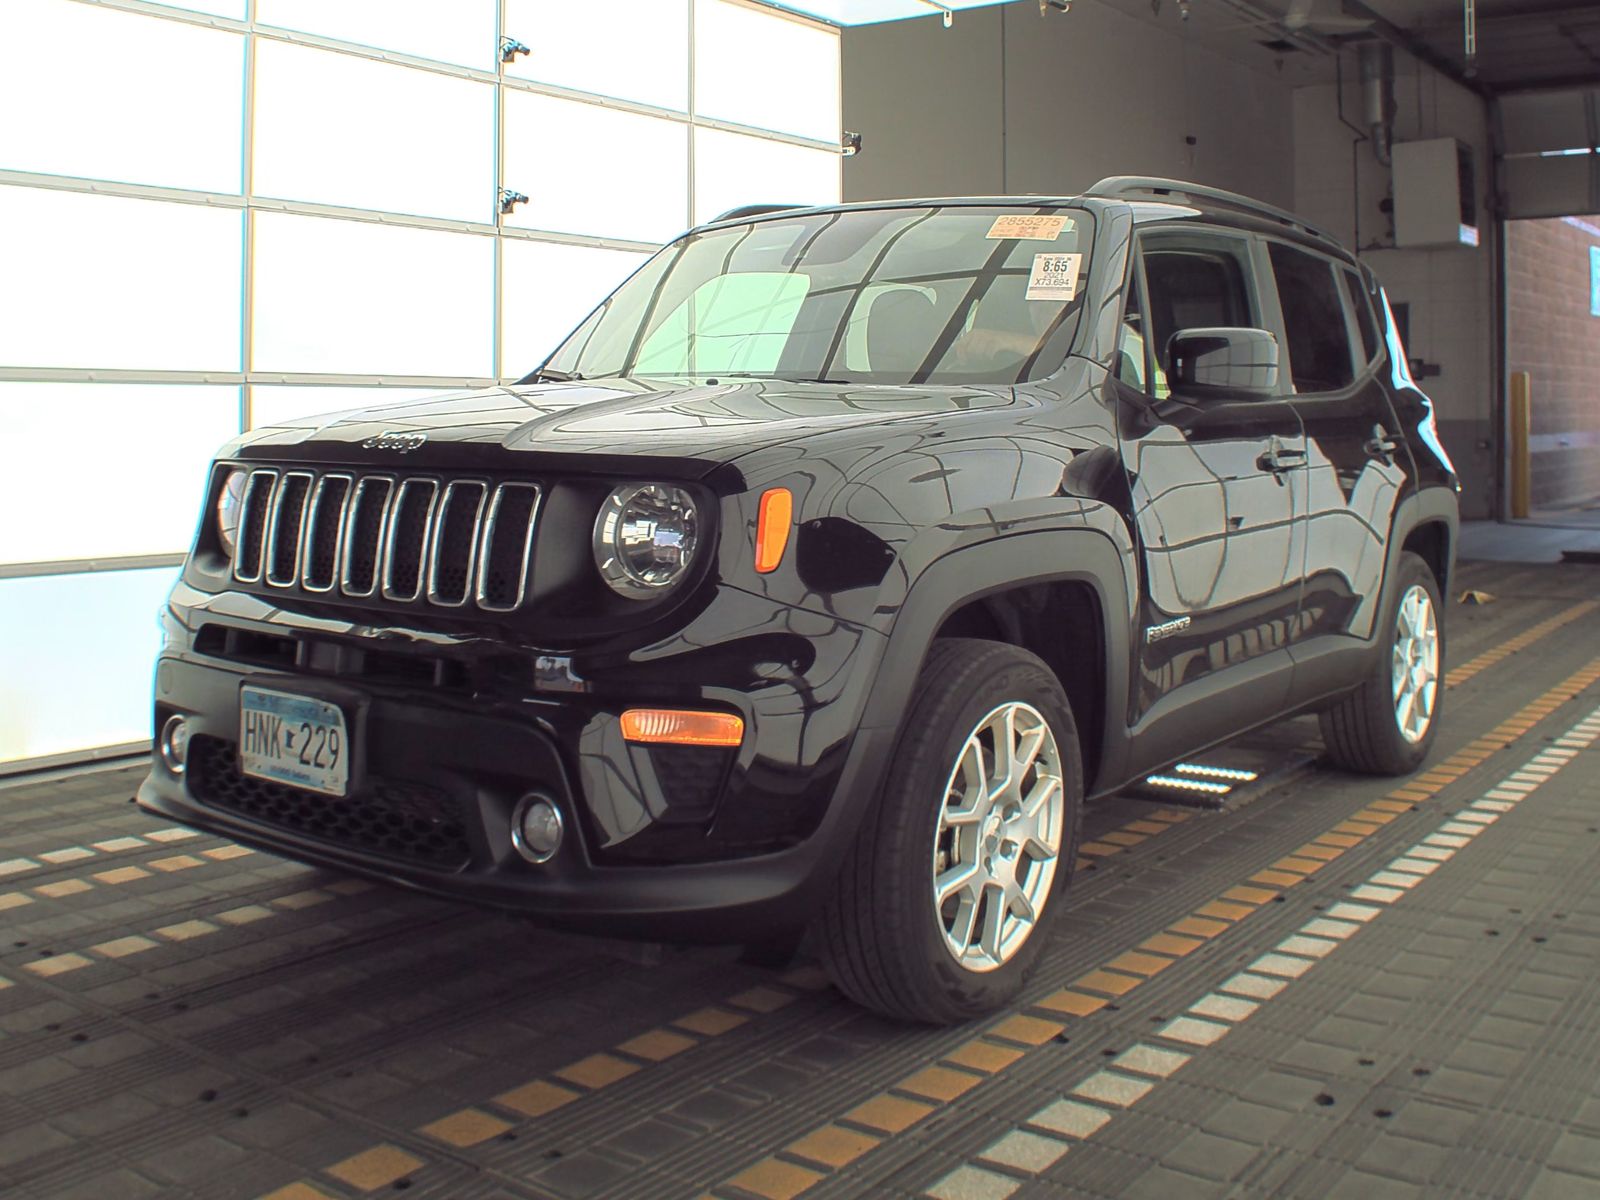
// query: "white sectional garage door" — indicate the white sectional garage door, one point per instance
point(221, 213)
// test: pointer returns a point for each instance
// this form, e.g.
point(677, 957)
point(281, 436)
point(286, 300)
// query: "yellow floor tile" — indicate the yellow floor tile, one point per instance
point(375, 1168)
point(1145, 827)
point(57, 964)
point(122, 947)
point(1122, 838)
point(1312, 850)
point(64, 887)
point(657, 1045)
point(1298, 866)
point(1075, 1003)
point(1249, 895)
point(938, 1083)
point(1099, 849)
point(1224, 911)
point(185, 931)
point(466, 1128)
point(297, 1191)
point(536, 1098)
point(889, 1114)
point(1283, 879)
point(1168, 943)
point(984, 1056)
point(762, 999)
point(178, 862)
point(122, 875)
point(774, 1179)
point(834, 1147)
point(1198, 927)
point(597, 1071)
point(710, 1021)
point(1109, 982)
point(1030, 1031)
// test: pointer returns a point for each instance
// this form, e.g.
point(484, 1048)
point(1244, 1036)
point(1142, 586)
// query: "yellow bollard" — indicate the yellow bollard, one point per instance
point(1521, 427)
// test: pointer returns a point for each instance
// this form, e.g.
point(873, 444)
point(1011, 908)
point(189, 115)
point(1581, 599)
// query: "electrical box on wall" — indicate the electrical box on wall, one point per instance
point(1435, 194)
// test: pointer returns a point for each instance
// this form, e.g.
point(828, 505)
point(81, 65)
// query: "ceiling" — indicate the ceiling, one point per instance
point(1521, 44)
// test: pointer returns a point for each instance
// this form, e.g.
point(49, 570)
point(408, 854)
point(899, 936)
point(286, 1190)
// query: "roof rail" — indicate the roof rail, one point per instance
point(751, 210)
point(1122, 185)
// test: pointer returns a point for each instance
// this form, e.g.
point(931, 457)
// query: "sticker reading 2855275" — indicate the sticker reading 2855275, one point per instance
point(1033, 228)
point(1054, 276)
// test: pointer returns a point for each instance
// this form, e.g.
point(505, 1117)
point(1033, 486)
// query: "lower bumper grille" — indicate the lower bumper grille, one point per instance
point(393, 820)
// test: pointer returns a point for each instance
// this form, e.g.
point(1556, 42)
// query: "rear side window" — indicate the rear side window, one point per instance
point(1313, 320)
point(1365, 321)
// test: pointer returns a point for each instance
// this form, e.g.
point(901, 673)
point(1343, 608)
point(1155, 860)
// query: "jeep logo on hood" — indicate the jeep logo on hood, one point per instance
point(403, 443)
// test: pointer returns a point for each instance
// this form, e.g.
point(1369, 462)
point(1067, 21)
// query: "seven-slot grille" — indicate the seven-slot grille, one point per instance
point(404, 538)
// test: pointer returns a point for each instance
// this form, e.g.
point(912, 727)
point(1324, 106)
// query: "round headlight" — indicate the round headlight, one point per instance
point(645, 538)
point(230, 505)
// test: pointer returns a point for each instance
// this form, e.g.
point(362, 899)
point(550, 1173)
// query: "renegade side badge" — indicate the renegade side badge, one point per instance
point(1166, 629)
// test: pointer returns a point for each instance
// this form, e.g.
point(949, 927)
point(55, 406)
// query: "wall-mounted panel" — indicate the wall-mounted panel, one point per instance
point(139, 454)
point(106, 281)
point(758, 68)
point(547, 290)
point(461, 31)
point(75, 664)
point(593, 170)
point(633, 49)
point(352, 297)
point(113, 95)
point(731, 169)
point(335, 129)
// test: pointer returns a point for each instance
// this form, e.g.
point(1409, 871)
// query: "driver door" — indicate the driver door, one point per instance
point(1218, 496)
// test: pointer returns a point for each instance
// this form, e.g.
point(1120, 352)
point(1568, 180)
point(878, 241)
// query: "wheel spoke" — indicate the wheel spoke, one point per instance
point(965, 924)
point(1019, 904)
point(1036, 801)
point(957, 879)
point(1005, 751)
point(994, 916)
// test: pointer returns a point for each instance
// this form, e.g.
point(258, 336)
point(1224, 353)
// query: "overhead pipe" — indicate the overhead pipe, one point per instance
point(1377, 97)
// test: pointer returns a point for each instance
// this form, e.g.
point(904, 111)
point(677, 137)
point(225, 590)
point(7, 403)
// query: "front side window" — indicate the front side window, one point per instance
point(1313, 320)
point(946, 294)
point(1361, 302)
point(1193, 280)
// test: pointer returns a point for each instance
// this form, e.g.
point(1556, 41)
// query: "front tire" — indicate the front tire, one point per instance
point(949, 893)
point(1387, 725)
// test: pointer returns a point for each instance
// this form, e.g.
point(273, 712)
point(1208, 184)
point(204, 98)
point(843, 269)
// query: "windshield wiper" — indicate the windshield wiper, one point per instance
point(550, 375)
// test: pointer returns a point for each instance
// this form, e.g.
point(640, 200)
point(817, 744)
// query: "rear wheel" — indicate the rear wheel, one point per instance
point(949, 893)
point(1387, 725)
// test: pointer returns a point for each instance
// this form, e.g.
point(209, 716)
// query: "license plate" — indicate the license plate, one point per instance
point(294, 740)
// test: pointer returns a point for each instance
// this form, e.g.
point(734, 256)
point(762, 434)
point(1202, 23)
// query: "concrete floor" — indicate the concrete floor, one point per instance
point(1332, 986)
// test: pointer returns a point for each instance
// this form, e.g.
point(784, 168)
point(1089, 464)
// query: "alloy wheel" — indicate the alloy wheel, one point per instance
point(998, 842)
point(1416, 663)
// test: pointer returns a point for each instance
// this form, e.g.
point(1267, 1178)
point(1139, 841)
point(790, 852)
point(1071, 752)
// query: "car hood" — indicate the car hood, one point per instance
point(596, 425)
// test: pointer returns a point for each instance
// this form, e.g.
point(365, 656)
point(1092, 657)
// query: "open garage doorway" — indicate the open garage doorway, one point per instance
point(1553, 339)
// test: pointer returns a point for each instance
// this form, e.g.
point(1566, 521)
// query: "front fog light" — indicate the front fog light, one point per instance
point(645, 538)
point(173, 744)
point(230, 504)
point(536, 828)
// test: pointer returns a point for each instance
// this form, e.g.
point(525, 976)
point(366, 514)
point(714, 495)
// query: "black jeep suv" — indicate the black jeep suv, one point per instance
point(822, 573)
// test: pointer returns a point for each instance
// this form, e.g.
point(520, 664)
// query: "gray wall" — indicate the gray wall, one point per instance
point(1006, 101)
point(1450, 290)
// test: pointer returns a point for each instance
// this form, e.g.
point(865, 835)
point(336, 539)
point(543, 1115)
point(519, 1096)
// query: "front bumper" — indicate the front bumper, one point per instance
point(439, 766)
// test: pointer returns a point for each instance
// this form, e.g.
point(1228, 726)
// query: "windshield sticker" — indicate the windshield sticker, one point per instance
point(1054, 277)
point(1038, 229)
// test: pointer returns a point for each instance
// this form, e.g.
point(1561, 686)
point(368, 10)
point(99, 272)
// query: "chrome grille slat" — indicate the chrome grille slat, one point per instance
point(506, 548)
point(448, 543)
point(406, 545)
point(454, 543)
point(255, 511)
point(286, 534)
point(366, 521)
point(324, 537)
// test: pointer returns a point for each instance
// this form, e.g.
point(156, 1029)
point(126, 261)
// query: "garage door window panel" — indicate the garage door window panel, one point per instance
point(729, 168)
point(592, 170)
point(177, 426)
point(760, 68)
point(112, 282)
point(632, 49)
point(457, 31)
point(335, 129)
point(352, 297)
point(547, 289)
point(164, 109)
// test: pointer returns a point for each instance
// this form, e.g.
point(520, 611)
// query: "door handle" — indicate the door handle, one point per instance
point(1380, 445)
point(1279, 458)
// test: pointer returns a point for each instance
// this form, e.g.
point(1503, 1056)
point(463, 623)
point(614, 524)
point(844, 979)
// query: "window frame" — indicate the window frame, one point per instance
point(1261, 291)
point(1359, 370)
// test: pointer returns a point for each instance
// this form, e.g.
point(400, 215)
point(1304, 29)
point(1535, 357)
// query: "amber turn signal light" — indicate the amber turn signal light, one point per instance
point(772, 528)
point(676, 727)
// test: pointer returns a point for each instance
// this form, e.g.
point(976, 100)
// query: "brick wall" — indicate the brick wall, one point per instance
point(1552, 335)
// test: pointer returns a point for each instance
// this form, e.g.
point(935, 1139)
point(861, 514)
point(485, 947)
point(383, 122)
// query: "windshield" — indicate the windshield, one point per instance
point(944, 294)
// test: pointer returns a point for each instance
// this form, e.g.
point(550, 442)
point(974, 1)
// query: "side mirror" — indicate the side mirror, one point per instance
point(1223, 362)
